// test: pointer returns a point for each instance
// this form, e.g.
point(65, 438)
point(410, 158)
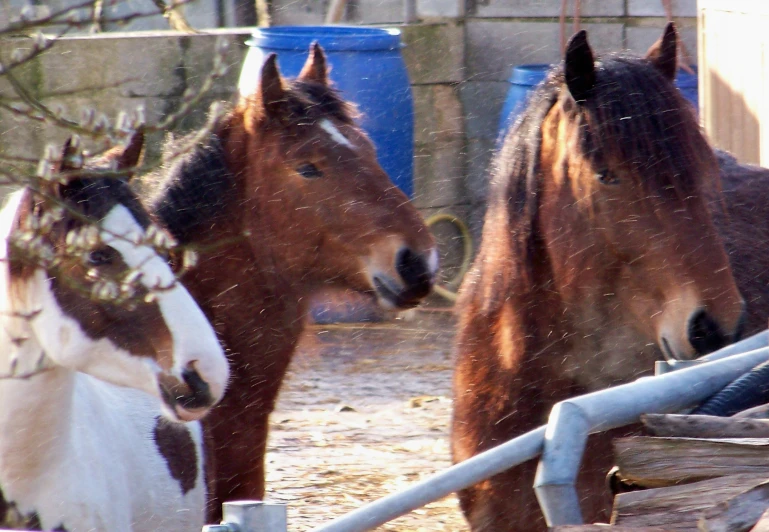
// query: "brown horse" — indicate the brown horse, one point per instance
point(599, 255)
point(285, 198)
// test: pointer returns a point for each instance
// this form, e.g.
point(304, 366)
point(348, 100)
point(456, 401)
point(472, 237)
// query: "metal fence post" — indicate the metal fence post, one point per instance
point(251, 516)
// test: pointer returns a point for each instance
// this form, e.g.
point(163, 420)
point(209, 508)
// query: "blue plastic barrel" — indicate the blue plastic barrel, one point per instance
point(525, 77)
point(367, 67)
point(688, 85)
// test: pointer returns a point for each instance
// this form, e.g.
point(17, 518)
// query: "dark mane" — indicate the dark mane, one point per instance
point(635, 119)
point(315, 101)
point(95, 197)
point(191, 189)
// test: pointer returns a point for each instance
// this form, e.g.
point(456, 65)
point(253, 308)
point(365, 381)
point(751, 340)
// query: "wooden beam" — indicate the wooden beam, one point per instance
point(682, 507)
point(675, 425)
point(657, 462)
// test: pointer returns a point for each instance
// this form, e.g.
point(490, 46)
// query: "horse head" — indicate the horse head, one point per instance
point(88, 272)
point(330, 213)
point(603, 188)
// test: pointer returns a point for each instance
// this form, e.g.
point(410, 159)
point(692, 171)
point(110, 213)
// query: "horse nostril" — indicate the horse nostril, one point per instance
point(200, 393)
point(415, 272)
point(705, 334)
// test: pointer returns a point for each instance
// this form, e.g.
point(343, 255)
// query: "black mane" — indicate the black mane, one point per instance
point(95, 197)
point(634, 117)
point(191, 190)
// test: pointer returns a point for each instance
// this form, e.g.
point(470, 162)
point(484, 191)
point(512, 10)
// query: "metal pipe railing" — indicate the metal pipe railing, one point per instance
point(457, 477)
point(562, 441)
point(572, 420)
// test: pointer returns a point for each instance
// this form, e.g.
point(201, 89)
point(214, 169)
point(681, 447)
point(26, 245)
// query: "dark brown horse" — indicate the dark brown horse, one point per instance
point(285, 198)
point(599, 256)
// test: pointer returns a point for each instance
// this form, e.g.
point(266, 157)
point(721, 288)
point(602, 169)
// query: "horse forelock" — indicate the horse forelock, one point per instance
point(636, 120)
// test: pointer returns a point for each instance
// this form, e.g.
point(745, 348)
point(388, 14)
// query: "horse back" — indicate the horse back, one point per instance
point(743, 223)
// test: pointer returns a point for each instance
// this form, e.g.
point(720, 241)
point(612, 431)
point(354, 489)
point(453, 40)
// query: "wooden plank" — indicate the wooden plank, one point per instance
point(656, 462)
point(740, 513)
point(598, 527)
point(757, 412)
point(679, 507)
point(688, 426)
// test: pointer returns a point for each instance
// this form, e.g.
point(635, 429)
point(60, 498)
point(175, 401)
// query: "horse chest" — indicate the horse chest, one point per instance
point(117, 469)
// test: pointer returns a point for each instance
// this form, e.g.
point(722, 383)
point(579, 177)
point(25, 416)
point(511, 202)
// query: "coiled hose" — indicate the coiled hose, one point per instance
point(467, 253)
point(752, 389)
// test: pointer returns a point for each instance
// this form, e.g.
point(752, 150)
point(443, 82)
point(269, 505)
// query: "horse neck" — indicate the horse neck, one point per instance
point(36, 410)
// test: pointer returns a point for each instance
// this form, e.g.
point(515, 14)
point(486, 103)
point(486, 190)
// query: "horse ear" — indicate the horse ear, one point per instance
point(132, 154)
point(315, 68)
point(663, 54)
point(580, 67)
point(272, 94)
point(71, 155)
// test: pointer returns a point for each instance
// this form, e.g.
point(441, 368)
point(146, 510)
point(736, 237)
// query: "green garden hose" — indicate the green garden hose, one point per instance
point(467, 253)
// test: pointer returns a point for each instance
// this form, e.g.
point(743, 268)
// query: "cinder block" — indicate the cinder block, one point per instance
point(480, 153)
point(441, 8)
point(303, 12)
point(547, 8)
point(438, 114)
point(299, 12)
point(117, 63)
point(29, 74)
point(439, 174)
point(375, 11)
point(640, 38)
point(198, 58)
point(434, 53)
point(494, 47)
point(482, 102)
point(21, 137)
point(653, 8)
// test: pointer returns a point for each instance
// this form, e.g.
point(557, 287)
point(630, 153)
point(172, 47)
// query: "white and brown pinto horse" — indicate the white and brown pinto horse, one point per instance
point(90, 428)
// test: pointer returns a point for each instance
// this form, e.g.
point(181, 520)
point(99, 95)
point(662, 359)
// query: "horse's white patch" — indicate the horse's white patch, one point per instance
point(76, 450)
point(193, 337)
point(332, 130)
point(433, 262)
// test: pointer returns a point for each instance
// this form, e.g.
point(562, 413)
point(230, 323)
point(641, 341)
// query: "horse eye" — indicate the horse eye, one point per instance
point(102, 256)
point(309, 171)
point(606, 177)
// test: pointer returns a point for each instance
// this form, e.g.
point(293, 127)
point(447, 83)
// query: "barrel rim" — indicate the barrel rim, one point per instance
point(530, 74)
point(331, 38)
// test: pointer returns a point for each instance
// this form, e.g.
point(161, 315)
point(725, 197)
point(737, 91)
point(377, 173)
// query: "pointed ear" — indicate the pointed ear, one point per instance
point(271, 93)
point(132, 154)
point(314, 68)
point(579, 67)
point(71, 155)
point(663, 54)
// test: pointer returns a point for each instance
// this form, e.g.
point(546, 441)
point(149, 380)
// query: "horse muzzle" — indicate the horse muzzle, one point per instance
point(413, 280)
point(188, 398)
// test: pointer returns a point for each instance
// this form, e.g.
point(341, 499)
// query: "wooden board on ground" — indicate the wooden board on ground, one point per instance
point(683, 507)
point(657, 462)
point(688, 426)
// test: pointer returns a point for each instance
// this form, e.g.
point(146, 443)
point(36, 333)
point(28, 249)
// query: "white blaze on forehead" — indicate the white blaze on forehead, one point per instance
point(332, 130)
point(193, 337)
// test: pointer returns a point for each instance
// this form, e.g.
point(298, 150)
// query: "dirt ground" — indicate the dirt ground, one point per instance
point(365, 412)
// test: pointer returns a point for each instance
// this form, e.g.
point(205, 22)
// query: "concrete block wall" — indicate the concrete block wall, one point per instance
point(118, 71)
point(459, 57)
